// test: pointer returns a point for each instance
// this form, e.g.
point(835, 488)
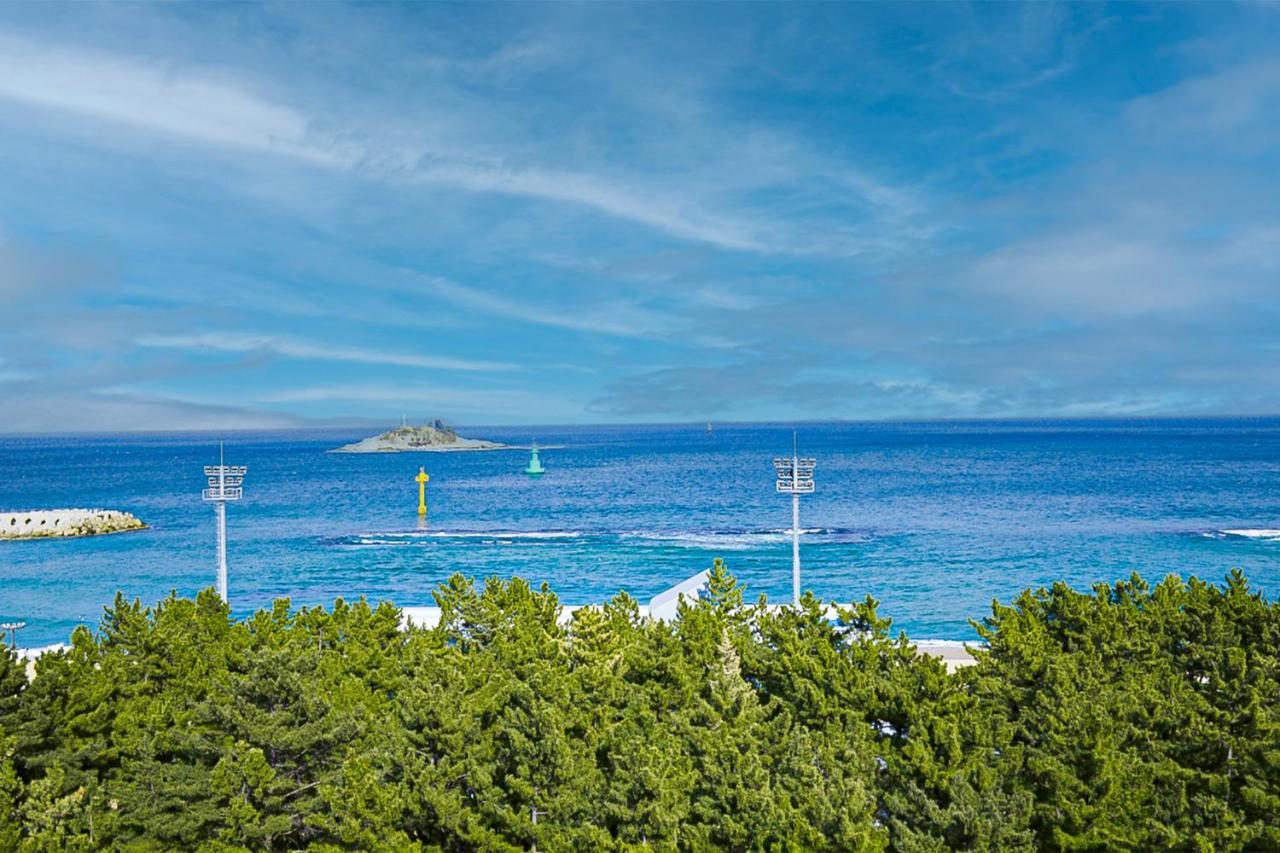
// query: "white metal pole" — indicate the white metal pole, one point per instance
point(222, 524)
point(221, 509)
point(795, 533)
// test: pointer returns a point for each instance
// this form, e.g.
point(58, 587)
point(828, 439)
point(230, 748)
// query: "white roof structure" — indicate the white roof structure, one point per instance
point(664, 606)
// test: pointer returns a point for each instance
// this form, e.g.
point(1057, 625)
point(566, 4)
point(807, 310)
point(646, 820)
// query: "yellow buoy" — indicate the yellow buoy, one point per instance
point(422, 490)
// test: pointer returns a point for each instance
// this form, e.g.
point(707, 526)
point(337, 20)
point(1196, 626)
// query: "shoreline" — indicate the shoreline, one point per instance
point(954, 653)
point(441, 448)
point(435, 436)
point(378, 450)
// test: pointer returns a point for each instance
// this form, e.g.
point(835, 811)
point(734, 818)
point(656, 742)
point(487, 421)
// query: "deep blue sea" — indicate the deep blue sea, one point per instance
point(933, 519)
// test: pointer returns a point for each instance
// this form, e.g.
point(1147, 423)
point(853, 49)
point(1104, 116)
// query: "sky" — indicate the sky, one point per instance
point(219, 216)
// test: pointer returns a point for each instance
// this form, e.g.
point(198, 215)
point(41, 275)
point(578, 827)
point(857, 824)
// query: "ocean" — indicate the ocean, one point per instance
point(935, 519)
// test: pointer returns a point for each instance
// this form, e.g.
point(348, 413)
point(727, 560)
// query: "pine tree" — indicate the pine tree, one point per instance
point(10, 796)
point(1125, 717)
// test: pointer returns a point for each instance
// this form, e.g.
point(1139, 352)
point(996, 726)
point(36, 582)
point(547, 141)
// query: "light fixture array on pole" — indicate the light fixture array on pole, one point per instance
point(795, 478)
point(225, 484)
point(12, 629)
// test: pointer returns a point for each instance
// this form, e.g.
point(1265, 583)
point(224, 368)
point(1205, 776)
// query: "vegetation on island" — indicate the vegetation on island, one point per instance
point(436, 432)
point(436, 435)
point(1130, 717)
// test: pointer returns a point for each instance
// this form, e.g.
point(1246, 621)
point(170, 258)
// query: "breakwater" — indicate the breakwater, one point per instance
point(48, 523)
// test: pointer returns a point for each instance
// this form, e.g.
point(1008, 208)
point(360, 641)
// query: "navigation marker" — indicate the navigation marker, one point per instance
point(535, 468)
point(422, 478)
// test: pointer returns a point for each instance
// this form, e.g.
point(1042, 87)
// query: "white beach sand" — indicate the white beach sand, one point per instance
point(953, 652)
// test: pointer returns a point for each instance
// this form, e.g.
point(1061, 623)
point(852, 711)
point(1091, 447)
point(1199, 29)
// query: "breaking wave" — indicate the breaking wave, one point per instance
point(727, 540)
point(424, 537)
point(1265, 534)
point(732, 540)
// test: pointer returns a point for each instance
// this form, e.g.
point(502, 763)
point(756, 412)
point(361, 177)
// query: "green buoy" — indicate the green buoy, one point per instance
point(535, 468)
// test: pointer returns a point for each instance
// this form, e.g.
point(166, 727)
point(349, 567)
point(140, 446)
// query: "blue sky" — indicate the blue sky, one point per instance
point(219, 216)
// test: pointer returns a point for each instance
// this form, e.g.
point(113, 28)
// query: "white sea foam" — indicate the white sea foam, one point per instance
point(1267, 534)
point(740, 540)
point(426, 537)
point(720, 541)
point(727, 540)
point(475, 534)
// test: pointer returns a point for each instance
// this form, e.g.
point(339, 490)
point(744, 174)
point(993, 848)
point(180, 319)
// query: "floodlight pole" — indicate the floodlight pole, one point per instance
point(225, 484)
point(795, 477)
point(795, 538)
point(221, 509)
point(12, 628)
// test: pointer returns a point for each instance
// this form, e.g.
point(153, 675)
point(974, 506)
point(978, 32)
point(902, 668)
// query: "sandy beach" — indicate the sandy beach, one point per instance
point(954, 653)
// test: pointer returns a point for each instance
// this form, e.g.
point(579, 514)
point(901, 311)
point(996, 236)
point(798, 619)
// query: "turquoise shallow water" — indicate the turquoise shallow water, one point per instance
point(934, 519)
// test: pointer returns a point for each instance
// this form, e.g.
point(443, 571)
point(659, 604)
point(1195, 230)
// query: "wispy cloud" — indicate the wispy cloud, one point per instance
point(1233, 107)
point(212, 107)
point(11, 375)
point(27, 272)
point(291, 348)
point(621, 319)
point(433, 400)
point(679, 218)
point(775, 379)
point(154, 97)
point(847, 210)
point(33, 409)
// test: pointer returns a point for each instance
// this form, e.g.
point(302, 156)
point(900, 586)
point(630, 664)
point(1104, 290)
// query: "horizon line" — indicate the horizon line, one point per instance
point(372, 424)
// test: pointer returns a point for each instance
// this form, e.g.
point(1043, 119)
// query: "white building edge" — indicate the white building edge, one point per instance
point(662, 607)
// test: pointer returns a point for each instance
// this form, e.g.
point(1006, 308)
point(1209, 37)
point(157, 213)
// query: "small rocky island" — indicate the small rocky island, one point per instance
point(58, 523)
point(436, 436)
